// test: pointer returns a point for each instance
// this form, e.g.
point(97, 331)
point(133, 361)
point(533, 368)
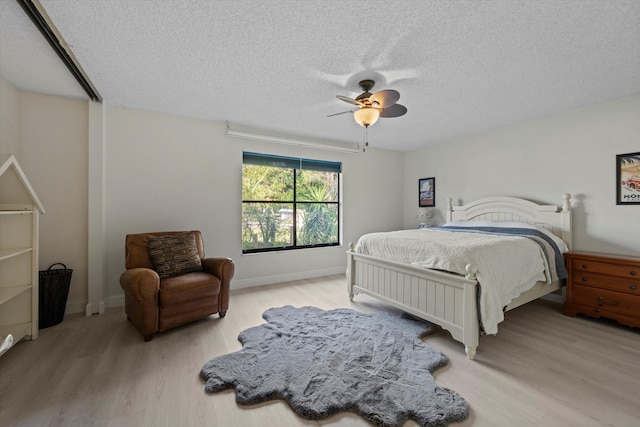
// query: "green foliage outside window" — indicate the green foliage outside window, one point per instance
point(288, 208)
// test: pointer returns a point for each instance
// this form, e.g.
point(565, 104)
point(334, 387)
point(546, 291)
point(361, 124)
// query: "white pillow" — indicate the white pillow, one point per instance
point(562, 246)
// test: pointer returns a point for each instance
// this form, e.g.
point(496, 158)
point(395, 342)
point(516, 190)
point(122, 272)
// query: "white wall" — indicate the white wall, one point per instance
point(48, 136)
point(171, 173)
point(572, 152)
point(164, 172)
point(9, 135)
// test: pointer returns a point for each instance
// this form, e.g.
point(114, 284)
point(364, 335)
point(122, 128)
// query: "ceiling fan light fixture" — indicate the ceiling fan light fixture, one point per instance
point(366, 116)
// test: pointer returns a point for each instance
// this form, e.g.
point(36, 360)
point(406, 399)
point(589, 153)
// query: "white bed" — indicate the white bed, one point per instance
point(447, 299)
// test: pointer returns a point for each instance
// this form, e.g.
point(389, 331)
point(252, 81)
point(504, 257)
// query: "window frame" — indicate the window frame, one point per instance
point(303, 164)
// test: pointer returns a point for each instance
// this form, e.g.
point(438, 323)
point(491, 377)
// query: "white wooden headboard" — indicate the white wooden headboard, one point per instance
point(512, 209)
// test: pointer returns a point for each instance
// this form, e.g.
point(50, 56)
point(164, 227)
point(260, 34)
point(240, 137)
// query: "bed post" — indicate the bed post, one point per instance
point(565, 220)
point(449, 209)
point(471, 326)
point(350, 272)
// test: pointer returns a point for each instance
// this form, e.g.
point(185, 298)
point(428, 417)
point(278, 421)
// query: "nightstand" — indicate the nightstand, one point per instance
point(602, 285)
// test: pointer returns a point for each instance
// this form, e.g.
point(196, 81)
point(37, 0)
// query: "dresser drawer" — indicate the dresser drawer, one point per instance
point(615, 302)
point(629, 286)
point(580, 265)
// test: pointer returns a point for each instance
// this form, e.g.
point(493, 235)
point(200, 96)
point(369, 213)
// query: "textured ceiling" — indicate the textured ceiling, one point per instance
point(26, 59)
point(461, 67)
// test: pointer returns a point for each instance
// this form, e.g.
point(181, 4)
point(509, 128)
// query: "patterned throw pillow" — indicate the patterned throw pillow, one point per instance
point(174, 255)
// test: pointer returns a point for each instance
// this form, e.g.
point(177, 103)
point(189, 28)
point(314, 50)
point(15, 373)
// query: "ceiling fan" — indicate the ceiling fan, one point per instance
point(373, 105)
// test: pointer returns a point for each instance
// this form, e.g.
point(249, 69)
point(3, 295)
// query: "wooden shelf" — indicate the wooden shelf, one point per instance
point(7, 293)
point(20, 209)
point(10, 253)
point(14, 212)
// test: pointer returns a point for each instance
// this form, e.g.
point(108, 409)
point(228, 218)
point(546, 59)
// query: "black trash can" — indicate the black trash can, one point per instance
point(54, 290)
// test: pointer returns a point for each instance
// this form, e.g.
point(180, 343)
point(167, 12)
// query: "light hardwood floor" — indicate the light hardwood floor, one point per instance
point(542, 369)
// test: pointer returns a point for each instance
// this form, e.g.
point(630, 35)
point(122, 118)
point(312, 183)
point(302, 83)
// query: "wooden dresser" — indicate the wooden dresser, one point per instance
point(602, 285)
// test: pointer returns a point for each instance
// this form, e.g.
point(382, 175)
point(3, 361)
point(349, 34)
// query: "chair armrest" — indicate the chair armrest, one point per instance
point(222, 268)
point(141, 283)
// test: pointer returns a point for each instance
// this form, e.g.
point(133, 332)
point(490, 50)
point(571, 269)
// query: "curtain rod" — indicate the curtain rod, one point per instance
point(288, 141)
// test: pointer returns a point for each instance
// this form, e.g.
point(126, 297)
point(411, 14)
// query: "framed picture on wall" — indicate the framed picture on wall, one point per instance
point(628, 179)
point(426, 192)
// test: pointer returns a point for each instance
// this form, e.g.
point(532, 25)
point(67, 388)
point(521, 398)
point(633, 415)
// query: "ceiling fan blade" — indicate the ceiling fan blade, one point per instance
point(385, 98)
point(349, 100)
point(396, 110)
point(337, 114)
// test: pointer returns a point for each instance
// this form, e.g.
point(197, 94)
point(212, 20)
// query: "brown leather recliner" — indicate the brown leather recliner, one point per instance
point(154, 304)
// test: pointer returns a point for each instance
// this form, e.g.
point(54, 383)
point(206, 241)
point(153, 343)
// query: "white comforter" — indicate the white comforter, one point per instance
point(507, 265)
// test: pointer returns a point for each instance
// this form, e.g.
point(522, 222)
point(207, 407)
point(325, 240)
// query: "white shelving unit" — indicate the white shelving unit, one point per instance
point(20, 210)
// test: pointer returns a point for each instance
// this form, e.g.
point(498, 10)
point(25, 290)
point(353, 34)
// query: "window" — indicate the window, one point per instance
point(289, 203)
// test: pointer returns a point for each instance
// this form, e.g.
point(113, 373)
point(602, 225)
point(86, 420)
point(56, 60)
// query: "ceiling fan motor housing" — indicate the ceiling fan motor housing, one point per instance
point(366, 86)
point(372, 106)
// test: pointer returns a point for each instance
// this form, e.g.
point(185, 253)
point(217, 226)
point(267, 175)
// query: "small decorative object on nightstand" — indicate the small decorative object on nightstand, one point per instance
point(424, 217)
point(602, 285)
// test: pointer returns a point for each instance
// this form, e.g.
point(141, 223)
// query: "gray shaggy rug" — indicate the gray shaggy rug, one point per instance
point(324, 362)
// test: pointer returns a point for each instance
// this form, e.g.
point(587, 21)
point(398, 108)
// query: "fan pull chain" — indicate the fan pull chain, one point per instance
point(366, 139)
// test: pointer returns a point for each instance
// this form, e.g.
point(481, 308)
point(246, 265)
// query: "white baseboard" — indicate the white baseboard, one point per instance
point(75, 307)
point(118, 300)
point(83, 307)
point(287, 277)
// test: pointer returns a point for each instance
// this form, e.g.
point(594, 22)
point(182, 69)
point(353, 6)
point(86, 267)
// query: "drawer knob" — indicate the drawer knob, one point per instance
point(585, 279)
point(601, 301)
point(633, 273)
point(633, 287)
point(584, 266)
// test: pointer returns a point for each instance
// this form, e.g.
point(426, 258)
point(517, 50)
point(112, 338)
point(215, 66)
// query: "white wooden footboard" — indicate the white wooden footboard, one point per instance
point(446, 299)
